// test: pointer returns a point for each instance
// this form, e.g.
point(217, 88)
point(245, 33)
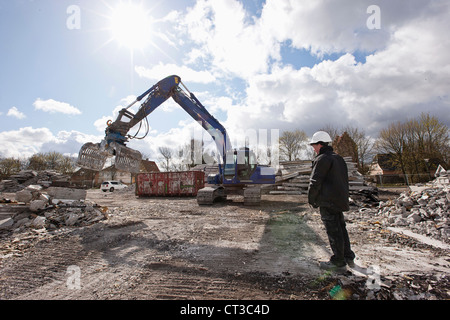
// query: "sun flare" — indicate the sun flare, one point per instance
point(131, 25)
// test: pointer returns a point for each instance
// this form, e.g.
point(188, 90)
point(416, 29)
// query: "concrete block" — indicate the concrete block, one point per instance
point(6, 223)
point(34, 188)
point(37, 205)
point(415, 217)
point(72, 219)
point(24, 196)
point(38, 222)
point(21, 222)
point(45, 198)
point(67, 193)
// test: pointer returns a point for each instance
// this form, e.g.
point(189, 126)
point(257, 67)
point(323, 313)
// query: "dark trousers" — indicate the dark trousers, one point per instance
point(337, 235)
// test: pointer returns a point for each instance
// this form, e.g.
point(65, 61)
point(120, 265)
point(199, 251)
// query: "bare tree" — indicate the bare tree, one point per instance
point(166, 160)
point(417, 144)
point(37, 162)
point(9, 166)
point(291, 144)
point(392, 141)
point(66, 165)
point(364, 145)
point(51, 161)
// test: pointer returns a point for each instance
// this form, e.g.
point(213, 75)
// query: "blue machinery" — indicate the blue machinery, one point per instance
point(238, 170)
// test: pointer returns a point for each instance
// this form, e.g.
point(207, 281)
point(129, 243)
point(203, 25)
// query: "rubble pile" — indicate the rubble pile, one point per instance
point(53, 208)
point(26, 178)
point(423, 209)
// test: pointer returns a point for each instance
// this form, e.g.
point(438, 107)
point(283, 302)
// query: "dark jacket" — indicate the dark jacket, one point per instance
point(328, 186)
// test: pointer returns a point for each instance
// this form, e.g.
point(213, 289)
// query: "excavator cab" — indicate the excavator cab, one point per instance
point(240, 164)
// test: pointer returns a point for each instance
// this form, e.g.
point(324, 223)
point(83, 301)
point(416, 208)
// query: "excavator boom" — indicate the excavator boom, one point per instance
point(93, 156)
point(237, 169)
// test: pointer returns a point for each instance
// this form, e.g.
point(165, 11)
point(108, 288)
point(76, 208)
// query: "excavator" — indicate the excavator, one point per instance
point(238, 171)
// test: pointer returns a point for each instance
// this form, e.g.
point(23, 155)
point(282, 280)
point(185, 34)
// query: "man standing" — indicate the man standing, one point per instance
point(328, 190)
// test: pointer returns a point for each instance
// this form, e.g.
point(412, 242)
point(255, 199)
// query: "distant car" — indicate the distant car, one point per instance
point(112, 185)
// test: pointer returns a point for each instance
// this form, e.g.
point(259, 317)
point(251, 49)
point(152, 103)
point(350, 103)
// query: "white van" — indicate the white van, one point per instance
point(112, 185)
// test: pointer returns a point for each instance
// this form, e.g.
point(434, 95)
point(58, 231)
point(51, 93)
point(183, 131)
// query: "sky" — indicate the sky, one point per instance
point(67, 67)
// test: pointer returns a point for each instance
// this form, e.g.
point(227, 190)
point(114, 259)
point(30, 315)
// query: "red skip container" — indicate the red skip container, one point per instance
point(181, 183)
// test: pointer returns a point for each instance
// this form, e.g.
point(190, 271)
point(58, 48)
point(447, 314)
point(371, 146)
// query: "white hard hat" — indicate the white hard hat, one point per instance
point(320, 136)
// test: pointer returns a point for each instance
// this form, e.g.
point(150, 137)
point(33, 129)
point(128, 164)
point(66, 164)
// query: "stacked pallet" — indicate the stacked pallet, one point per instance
point(294, 177)
point(355, 179)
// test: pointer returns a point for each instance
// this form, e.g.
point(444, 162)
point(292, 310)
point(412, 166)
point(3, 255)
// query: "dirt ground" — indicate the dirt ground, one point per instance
point(171, 248)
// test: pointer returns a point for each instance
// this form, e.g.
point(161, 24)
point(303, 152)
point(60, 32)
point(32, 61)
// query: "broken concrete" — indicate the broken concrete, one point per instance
point(37, 205)
point(38, 222)
point(424, 209)
point(6, 223)
point(229, 251)
point(67, 193)
point(52, 208)
point(26, 178)
point(24, 196)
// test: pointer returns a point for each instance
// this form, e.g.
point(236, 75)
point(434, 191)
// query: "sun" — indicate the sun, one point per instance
point(130, 25)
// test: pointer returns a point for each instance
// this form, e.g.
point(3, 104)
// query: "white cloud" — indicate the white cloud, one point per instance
point(54, 106)
point(14, 112)
point(407, 72)
point(410, 76)
point(25, 142)
point(328, 26)
point(174, 138)
point(214, 103)
point(69, 142)
point(234, 43)
point(228, 38)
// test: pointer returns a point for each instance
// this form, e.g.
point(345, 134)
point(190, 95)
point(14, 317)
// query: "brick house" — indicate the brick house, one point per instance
point(92, 179)
point(384, 164)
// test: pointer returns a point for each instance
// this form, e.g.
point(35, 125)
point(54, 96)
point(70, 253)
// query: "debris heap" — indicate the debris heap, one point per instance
point(424, 209)
point(26, 178)
point(51, 208)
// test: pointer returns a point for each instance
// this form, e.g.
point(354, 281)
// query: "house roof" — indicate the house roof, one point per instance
point(386, 161)
point(149, 166)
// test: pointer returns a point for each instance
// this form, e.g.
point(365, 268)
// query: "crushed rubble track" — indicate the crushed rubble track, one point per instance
point(171, 248)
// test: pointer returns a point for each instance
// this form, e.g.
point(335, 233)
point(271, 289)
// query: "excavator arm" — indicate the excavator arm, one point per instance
point(93, 156)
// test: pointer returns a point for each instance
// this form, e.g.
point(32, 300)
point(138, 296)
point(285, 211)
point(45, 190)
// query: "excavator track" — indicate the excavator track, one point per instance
point(252, 196)
point(208, 195)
